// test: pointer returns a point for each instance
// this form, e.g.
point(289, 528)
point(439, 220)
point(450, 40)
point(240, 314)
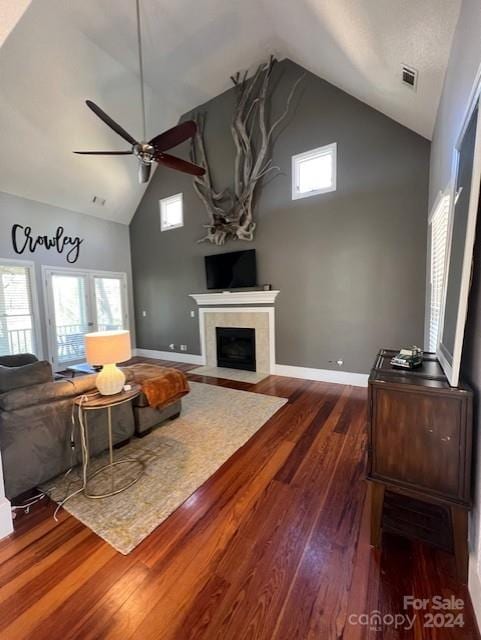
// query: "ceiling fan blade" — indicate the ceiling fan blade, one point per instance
point(178, 164)
point(109, 122)
point(144, 172)
point(104, 153)
point(172, 137)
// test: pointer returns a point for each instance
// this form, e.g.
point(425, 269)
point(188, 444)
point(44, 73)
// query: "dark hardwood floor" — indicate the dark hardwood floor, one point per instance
point(274, 546)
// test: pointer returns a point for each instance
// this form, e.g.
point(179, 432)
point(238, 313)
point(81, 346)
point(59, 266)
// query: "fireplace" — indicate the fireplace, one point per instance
point(236, 348)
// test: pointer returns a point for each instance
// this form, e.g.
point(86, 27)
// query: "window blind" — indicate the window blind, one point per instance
point(108, 300)
point(439, 234)
point(16, 317)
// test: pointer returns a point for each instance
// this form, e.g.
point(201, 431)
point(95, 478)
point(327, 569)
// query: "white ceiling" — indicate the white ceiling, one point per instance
point(10, 13)
point(62, 52)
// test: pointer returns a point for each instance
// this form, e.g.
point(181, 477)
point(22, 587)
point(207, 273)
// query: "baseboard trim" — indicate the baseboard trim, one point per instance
point(287, 370)
point(322, 375)
point(474, 587)
point(6, 522)
point(171, 356)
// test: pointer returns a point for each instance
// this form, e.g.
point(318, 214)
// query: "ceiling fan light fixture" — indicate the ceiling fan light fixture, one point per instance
point(148, 152)
point(145, 152)
point(144, 171)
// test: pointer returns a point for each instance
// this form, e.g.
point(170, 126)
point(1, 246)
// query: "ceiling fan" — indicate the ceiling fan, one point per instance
point(154, 150)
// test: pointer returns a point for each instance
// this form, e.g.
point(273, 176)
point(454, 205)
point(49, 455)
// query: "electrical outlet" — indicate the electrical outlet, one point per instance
point(172, 346)
point(183, 347)
point(192, 314)
point(338, 362)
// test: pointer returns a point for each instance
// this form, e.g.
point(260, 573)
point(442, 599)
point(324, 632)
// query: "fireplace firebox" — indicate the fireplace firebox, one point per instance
point(236, 348)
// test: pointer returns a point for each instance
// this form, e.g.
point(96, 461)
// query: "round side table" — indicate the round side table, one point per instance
point(97, 403)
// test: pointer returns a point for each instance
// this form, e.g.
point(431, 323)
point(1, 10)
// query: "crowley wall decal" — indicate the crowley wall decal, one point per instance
point(23, 240)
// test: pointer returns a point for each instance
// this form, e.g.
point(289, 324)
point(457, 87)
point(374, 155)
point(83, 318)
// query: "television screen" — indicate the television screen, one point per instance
point(231, 270)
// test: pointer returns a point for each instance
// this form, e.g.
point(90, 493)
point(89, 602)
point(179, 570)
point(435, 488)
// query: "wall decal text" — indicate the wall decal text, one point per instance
point(24, 240)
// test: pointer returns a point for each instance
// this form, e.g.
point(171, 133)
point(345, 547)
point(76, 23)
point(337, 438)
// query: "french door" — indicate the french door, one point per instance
point(79, 302)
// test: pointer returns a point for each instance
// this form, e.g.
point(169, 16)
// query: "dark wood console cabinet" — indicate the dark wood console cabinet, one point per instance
point(420, 444)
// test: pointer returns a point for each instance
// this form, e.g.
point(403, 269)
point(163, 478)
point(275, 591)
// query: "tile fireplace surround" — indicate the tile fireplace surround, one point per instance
point(260, 318)
point(240, 318)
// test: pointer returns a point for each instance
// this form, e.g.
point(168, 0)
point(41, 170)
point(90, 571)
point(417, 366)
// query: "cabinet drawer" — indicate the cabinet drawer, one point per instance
point(417, 439)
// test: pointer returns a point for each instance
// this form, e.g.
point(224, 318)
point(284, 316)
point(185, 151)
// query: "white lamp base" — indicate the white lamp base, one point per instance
point(110, 380)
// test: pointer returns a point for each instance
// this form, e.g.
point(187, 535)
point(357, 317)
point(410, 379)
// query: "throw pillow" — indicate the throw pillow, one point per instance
point(29, 374)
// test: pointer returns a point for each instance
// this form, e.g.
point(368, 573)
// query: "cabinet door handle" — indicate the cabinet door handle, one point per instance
point(429, 429)
point(446, 439)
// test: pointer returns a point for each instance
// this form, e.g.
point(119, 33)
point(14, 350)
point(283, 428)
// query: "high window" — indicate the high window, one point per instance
point(314, 172)
point(171, 212)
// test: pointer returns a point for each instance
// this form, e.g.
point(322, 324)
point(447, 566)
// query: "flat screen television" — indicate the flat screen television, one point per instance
point(231, 270)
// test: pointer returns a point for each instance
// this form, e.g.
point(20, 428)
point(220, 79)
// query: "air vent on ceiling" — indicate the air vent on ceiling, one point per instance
point(98, 201)
point(409, 77)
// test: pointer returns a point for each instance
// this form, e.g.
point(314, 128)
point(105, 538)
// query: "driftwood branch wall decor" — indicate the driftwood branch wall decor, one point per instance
point(230, 211)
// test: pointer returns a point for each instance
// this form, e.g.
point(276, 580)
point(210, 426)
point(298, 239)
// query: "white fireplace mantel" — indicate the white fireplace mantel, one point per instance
point(235, 297)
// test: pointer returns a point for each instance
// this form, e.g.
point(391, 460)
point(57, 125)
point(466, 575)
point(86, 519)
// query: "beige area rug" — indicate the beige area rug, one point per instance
point(179, 457)
point(230, 374)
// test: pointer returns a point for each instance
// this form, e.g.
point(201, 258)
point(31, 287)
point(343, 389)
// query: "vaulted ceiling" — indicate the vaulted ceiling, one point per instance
point(59, 53)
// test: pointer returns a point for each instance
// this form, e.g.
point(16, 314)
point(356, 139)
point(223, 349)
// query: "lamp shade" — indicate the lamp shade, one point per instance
point(107, 347)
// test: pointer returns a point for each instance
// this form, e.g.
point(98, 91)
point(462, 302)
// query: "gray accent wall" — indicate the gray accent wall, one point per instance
point(105, 246)
point(350, 264)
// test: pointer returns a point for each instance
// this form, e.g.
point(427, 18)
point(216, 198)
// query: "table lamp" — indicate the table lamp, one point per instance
point(107, 348)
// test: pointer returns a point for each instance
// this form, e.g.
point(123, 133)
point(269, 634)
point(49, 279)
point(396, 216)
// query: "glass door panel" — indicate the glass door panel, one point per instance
point(70, 317)
point(109, 303)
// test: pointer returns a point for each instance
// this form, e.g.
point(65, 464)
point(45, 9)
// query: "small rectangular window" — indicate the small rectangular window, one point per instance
point(314, 172)
point(171, 212)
